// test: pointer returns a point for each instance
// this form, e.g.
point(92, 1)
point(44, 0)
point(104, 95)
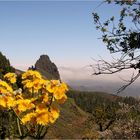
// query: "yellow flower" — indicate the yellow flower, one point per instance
point(30, 74)
point(53, 115)
point(60, 91)
point(29, 84)
point(44, 83)
point(24, 82)
point(52, 85)
point(42, 117)
point(64, 86)
point(33, 85)
point(42, 113)
point(10, 102)
point(11, 77)
point(37, 85)
point(40, 106)
point(24, 104)
point(2, 101)
point(58, 94)
point(44, 86)
point(19, 96)
point(45, 98)
point(5, 88)
point(28, 117)
point(63, 99)
point(6, 101)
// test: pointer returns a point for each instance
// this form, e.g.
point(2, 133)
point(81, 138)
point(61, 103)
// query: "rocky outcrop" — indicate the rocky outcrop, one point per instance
point(47, 68)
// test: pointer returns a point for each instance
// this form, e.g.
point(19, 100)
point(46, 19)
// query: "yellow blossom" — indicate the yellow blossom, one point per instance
point(37, 85)
point(29, 84)
point(42, 117)
point(44, 86)
point(2, 102)
point(24, 104)
point(6, 101)
point(19, 96)
point(33, 85)
point(58, 94)
point(11, 77)
point(28, 117)
point(64, 86)
point(44, 83)
point(45, 98)
point(60, 91)
point(63, 99)
point(42, 113)
point(53, 115)
point(10, 102)
point(52, 85)
point(40, 107)
point(30, 74)
point(5, 88)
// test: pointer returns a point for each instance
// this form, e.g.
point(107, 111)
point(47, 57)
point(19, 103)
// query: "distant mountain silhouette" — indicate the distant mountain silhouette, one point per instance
point(47, 68)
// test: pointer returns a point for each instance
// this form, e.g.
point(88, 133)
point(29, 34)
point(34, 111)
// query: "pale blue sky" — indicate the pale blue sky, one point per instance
point(63, 30)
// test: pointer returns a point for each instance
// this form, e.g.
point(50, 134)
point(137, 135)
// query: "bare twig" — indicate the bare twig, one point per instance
point(133, 79)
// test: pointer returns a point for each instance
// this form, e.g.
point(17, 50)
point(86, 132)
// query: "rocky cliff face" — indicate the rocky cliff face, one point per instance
point(47, 68)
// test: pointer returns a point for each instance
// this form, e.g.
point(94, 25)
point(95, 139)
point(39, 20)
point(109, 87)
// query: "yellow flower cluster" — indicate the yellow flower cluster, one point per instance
point(36, 102)
point(41, 116)
point(32, 81)
point(6, 95)
point(6, 101)
point(5, 88)
point(10, 77)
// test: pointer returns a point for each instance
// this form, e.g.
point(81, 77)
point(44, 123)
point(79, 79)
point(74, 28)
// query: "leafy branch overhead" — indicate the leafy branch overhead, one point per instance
point(122, 37)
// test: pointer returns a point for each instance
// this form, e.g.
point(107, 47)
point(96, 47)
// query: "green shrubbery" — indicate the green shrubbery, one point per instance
point(5, 66)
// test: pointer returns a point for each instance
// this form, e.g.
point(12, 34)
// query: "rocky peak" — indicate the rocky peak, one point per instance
point(47, 68)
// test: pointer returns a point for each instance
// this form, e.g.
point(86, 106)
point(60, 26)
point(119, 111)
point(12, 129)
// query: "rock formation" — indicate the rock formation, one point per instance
point(47, 68)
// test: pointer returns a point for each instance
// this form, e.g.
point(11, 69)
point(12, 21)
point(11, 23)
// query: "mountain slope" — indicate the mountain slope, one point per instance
point(71, 124)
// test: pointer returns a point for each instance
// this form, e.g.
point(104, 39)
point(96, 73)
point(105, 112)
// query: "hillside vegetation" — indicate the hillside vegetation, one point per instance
point(90, 100)
point(110, 116)
point(5, 65)
point(71, 124)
